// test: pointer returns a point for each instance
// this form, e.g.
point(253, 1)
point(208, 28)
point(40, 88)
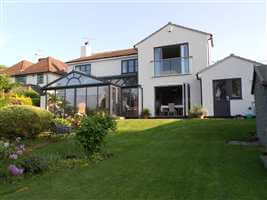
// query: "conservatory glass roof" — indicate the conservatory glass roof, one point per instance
point(74, 78)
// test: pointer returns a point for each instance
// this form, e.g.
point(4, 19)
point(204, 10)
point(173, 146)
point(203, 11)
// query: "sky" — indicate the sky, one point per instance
point(57, 27)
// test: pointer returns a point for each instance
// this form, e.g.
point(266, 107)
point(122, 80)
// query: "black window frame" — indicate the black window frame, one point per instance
point(135, 66)
point(234, 97)
point(80, 66)
point(176, 44)
point(38, 78)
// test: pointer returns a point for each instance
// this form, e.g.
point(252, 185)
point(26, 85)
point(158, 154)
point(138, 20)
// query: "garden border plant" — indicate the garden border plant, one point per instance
point(92, 132)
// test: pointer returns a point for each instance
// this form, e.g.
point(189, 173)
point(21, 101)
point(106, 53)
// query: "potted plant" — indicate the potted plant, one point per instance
point(263, 157)
point(197, 112)
point(146, 113)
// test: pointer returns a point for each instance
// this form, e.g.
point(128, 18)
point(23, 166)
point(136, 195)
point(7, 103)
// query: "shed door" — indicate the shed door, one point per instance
point(221, 94)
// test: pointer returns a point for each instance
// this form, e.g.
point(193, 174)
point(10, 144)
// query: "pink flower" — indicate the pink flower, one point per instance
point(13, 156)
point(14, 170)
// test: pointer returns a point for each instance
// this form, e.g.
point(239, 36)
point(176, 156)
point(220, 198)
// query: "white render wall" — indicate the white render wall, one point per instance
point(105, 67)
point(232, 67)
point(32, 78)
point(198, 49)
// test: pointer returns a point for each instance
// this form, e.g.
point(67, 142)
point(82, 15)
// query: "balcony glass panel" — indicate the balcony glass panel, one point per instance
point(172, 66)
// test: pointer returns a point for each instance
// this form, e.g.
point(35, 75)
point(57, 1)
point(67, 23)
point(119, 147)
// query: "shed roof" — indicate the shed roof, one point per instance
point(226, 58)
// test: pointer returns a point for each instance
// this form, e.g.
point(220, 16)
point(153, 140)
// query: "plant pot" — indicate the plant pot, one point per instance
point(146, 117)
point(264, 160)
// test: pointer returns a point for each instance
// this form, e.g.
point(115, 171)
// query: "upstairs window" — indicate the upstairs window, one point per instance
point(129, 66)
point(86, 68)
point(20, 79)
point(40, 78)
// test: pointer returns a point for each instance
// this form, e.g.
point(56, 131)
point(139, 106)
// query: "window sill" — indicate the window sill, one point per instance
point(172, 75)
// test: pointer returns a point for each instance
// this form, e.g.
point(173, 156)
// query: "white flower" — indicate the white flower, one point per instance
point(6, 144)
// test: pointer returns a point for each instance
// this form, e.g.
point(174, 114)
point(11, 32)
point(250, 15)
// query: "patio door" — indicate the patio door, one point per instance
point(129, 104)
point(221, 95)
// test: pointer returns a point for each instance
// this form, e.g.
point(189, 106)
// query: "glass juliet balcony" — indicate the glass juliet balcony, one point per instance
point(173, 66)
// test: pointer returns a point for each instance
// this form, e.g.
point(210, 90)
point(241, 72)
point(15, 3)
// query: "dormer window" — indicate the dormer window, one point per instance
point(86, 68)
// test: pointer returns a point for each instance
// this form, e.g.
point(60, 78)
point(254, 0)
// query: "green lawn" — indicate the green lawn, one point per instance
point(160, 159)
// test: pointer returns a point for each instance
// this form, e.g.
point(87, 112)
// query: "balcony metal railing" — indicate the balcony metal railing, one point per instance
point(173, 66)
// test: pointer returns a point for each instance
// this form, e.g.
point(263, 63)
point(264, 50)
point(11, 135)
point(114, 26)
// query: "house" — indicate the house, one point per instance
point(226, 87)
point(168, 72)
point(259, 89)
point(40, 74)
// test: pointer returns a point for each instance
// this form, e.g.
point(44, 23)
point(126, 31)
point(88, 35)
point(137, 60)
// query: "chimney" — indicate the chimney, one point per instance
point(86, 49)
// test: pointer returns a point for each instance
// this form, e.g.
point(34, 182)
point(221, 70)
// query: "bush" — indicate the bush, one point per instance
point(93, 130)
point(197, 112)
point(146, 113)
point(24, 121)
point(22, 91)
point(14, 99)
point(34, 165)
point(62, 121)
point(61, 126)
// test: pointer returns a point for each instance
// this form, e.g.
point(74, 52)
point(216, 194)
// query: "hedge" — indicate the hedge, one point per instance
point(24, 121)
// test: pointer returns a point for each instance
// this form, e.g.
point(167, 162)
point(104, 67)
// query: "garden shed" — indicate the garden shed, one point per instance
point(259, 89)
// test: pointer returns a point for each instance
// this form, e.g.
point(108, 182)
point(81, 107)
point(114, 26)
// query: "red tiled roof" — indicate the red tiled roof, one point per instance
point(109, 54)
point(22, 65)
point(47, 64)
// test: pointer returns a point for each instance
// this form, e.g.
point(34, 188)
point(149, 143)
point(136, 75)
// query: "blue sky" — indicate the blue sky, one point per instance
point(57, 29)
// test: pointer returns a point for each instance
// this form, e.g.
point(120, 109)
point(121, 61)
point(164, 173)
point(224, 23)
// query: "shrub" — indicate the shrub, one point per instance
point(61, 126)
point(14, 99)
point(76, 120)
point(93, 130)
point(62, 121)
point(33, 95)
point(146, 113)
point(34, 165)
point(24, 121)
point(197, 112)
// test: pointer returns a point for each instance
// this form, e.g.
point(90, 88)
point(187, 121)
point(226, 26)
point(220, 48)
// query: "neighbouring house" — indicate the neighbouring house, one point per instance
point(39, 74)
point(167, 72)
point(259, 89)
point(226, 87)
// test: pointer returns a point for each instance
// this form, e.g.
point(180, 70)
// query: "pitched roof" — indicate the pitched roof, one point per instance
point(107, 54)
point(47, 64)
point(176, 25)
point(261, 72)
point(222, 60)
point(20, 66)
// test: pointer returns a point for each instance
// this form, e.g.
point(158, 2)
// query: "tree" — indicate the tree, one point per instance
point(5, 83)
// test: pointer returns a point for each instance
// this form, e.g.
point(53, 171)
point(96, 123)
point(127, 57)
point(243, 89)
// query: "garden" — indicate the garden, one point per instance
point(24, 128)
point(94, 156)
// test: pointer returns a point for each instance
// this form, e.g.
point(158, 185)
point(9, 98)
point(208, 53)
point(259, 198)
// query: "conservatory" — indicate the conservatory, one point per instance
point(78, 92)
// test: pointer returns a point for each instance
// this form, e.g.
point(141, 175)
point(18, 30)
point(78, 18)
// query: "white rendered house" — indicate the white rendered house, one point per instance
point(165, 73)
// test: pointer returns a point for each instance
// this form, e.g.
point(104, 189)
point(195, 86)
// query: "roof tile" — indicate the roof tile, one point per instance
point(103, 55)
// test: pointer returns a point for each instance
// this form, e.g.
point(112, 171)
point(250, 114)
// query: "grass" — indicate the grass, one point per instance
point(159, 159)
